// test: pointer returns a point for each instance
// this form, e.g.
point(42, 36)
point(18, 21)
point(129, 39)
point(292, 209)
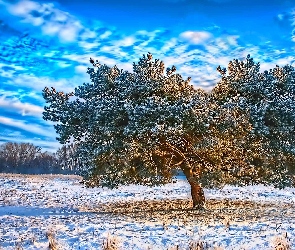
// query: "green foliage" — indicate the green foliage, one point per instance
point(138, 127)
point(269, 98)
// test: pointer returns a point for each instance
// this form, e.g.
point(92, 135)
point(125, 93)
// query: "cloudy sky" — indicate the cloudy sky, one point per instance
point(48, 43)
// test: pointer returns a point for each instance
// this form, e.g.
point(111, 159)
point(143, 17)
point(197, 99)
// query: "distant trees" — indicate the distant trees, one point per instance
point(26, 158)
point(67, 159)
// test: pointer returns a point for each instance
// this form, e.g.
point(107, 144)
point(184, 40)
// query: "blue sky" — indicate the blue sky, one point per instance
point(48, 43)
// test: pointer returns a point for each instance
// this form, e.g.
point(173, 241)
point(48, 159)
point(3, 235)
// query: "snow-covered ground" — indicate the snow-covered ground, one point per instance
point(32, 208)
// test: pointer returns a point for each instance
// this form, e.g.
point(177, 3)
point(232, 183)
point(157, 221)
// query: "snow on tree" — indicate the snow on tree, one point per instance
point(138, 127)
point(269, 98)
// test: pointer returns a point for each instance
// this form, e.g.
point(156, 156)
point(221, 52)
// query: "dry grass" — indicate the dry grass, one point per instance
point(52, 242)
point(111, 243)
point(176, 212)
point(193, 245)
point(198, 245)
point(18, 246)
point(281, 243)
point(42, 176)
point(221, 211)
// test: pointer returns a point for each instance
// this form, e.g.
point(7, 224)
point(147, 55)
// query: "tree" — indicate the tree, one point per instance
point(17, 156)
point(25, 158)
point(137, 127)
point(269, 99)
point(44, 163)
point(67, 160)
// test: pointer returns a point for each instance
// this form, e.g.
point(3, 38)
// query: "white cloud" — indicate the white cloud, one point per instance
point(293, 16)
point(126, 41)
point(69, 33)
point(288, 17)
point(218, 50)
point(52, 21)
point(281, 62)
point(81, 69)
point(125, 66)
point(50, 29)
point(16, 136)
point(196, 37)
point(180, 49)
point(232, 40)
point(31, 128)
point(201, 64)
point(22, 8)
point(85, 59)
point(87, 33)
point(114, 49)
point(105, 35)
point(149, 36)
point(39, 83)
point(15, 67)
point(222, 44)
point(212, 49)
point(64, 64)
point(284, 61)
point(88, 46)
point(9, 73)
point(38, 21)
point(280, 17)
point(169, 45)
point(21, 108)
point(50, 53)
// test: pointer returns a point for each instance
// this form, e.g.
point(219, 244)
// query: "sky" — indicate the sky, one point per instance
point(49, 43)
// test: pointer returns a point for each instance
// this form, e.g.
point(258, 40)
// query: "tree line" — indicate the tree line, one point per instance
point(26, 158)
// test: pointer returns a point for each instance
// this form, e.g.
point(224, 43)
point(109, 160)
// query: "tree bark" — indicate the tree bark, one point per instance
point(197, 191)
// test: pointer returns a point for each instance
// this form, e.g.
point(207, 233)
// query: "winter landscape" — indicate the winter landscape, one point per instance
point(58, 209)
point(147, 125)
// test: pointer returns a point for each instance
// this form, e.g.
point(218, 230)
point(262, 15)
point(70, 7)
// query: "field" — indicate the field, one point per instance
point(57, 212)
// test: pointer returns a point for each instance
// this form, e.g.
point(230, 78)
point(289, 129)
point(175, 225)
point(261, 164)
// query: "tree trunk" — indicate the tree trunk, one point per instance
point(197, 191)
point(197, 194)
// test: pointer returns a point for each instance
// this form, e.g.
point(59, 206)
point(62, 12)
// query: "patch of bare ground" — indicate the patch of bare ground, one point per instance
point(227, 211)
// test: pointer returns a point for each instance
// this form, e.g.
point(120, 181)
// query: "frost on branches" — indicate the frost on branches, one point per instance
point(269, 98)
point(138, 127)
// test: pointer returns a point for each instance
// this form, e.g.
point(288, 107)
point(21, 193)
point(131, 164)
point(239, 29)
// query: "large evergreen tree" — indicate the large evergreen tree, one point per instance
point(137, 127)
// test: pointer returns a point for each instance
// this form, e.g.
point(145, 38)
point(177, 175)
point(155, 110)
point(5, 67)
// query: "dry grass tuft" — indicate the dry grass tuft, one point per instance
point(111, 243)
point(52, 242)
point(198, 245)
point(18, 246)
point(281, 243)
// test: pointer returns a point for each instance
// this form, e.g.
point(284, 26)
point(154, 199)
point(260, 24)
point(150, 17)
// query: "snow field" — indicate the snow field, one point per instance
point(32, 208)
